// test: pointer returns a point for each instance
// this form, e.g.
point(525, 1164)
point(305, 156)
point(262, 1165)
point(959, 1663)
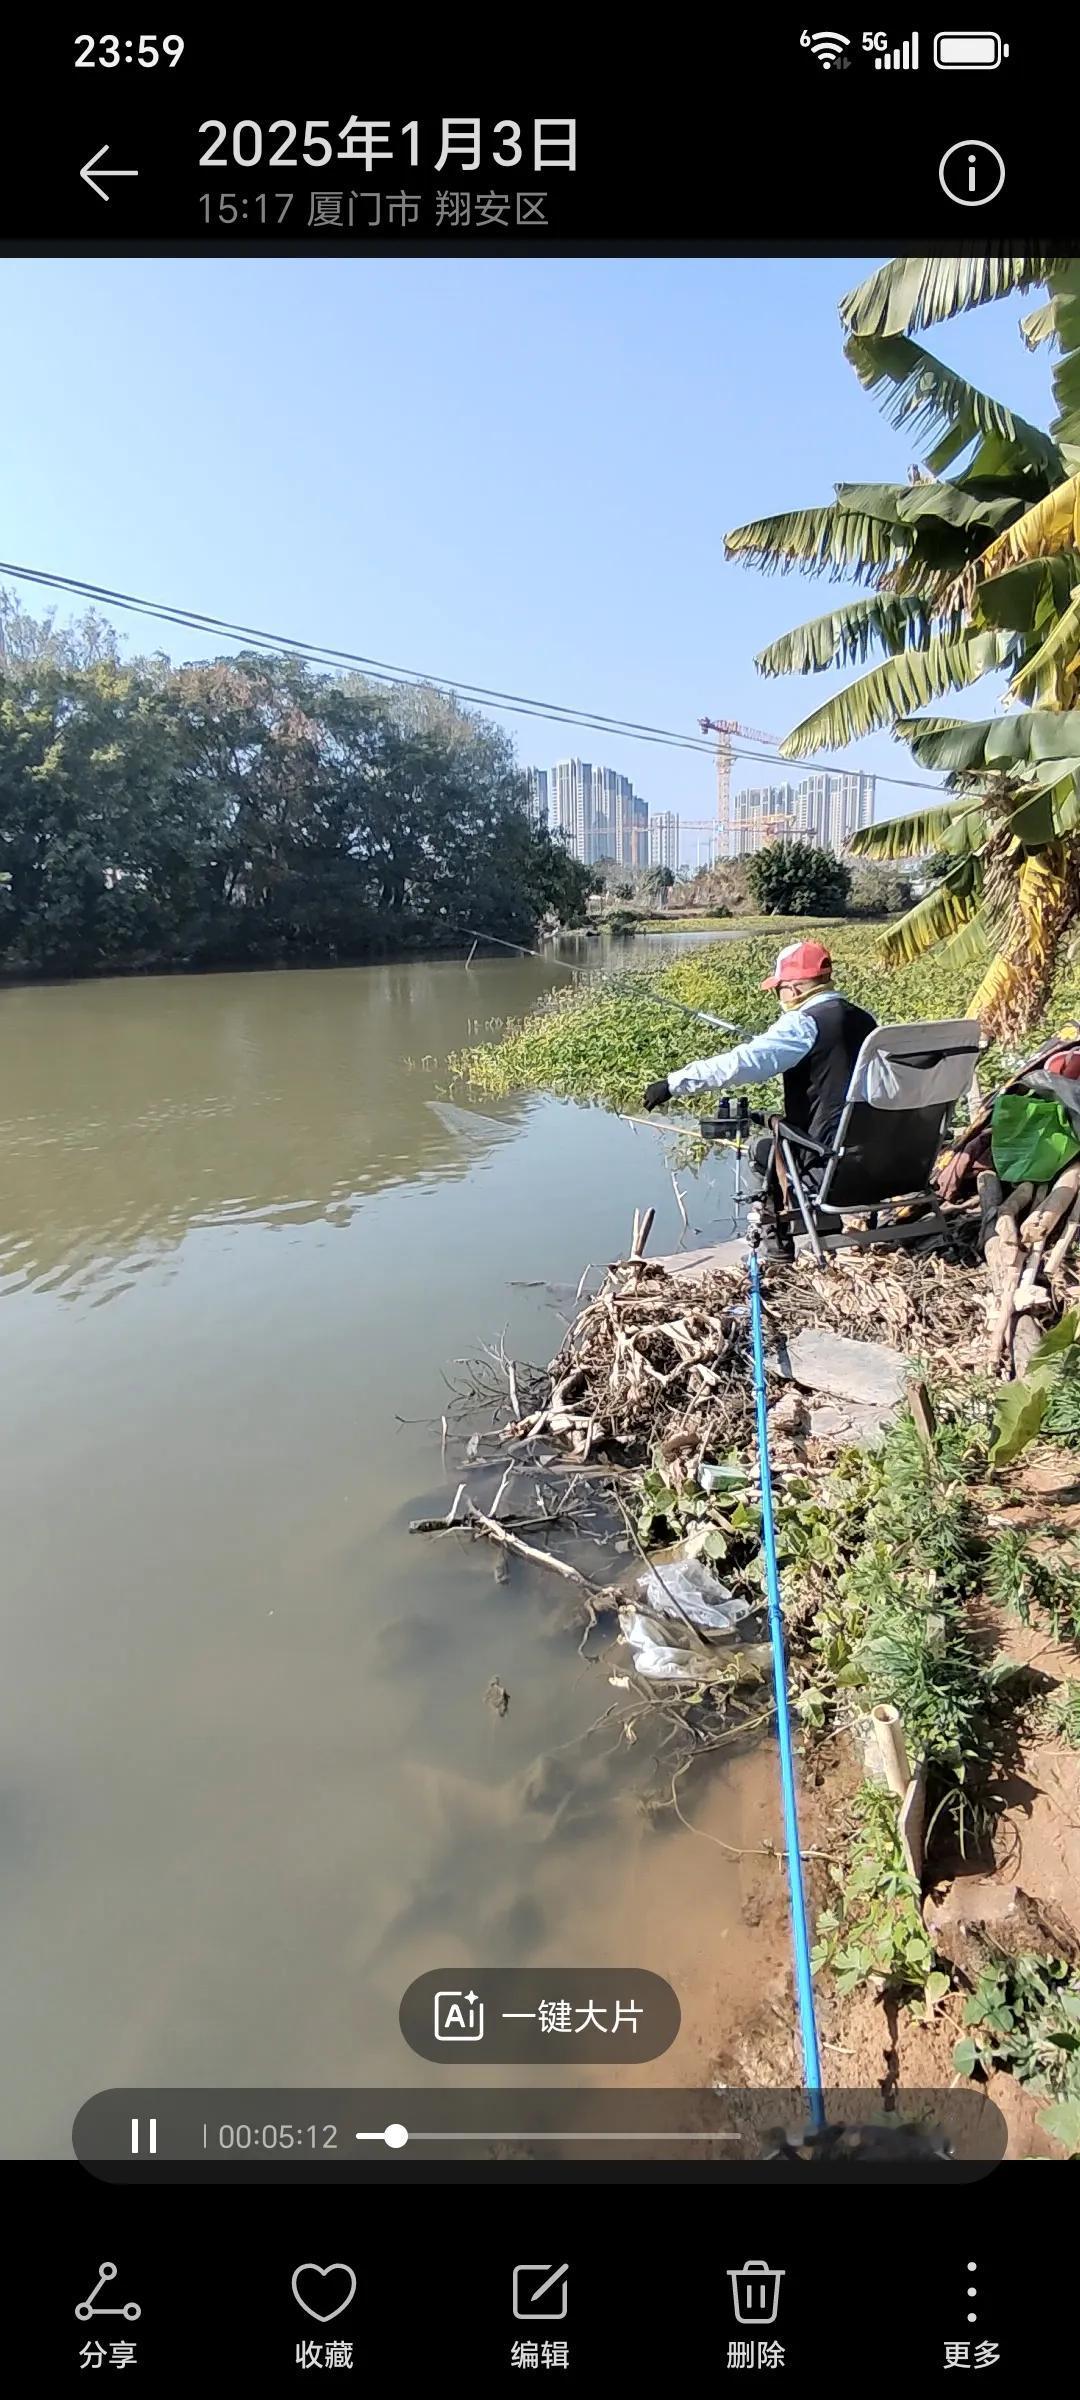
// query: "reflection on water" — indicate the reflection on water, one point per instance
point(248, 1784)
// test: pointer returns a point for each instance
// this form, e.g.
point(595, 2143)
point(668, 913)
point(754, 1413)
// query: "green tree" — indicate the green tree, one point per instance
point(877, 889)
point(795, 879)
point(252, 809)
point(966, 574)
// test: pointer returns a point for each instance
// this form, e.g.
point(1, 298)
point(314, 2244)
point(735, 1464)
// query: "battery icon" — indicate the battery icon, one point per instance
point(969, 50)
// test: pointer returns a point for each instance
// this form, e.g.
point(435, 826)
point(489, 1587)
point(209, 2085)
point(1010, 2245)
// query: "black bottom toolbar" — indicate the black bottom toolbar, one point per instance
point(602, 2283)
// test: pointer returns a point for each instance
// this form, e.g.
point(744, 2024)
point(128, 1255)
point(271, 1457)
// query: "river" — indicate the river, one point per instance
point(249, 1786)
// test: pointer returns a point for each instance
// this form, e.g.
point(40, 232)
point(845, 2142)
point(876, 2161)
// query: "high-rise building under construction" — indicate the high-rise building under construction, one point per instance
point(825, 807)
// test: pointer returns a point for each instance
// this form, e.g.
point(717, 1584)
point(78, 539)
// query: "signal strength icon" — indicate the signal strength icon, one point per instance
point(903, 59)
point(829, 48)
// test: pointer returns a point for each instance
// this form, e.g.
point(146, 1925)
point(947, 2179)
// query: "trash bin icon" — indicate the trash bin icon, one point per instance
point(755, 2292)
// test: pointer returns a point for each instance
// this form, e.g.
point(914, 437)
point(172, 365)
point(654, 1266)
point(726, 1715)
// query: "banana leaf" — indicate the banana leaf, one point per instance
point(908, 294)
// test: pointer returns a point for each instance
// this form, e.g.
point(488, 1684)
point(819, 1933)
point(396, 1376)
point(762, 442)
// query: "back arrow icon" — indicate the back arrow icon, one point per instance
point(87, 172)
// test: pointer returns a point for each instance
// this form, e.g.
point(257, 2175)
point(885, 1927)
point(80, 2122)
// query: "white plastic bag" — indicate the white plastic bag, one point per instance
point(684, 1588)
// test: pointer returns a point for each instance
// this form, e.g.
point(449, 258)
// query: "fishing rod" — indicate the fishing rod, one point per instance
point(800, 1935)
point(722, 1024)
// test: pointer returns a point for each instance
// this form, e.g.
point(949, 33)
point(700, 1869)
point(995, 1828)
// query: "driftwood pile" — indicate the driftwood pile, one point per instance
point(925, 1305)
point(655, 1364)
point(1030, 1237)
point(649, 1364)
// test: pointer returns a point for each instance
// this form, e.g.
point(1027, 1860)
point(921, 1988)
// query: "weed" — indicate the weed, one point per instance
point(1033, 1587)
point(1024, 2016)
point(1063, 1715)
point(875, 1933)
point(893, 1550)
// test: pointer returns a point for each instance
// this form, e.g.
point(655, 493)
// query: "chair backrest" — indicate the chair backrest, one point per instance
point(904, 1084)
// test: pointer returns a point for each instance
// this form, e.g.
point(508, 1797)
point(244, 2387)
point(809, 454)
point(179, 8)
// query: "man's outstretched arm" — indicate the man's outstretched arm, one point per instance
point(773, 1052)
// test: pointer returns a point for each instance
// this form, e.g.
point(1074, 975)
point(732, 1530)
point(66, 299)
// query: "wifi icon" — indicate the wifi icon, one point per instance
point(828, 47)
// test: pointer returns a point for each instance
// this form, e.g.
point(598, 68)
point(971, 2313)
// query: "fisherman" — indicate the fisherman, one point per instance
point(813, 1045)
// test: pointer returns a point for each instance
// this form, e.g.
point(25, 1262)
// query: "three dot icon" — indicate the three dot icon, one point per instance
point(971, 2289)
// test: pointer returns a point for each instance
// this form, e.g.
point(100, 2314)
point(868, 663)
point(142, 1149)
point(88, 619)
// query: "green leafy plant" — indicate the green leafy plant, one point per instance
point(605, 1040)
point(1024, 2017)
point(716, 1525)
point(1063, 1715)
point(1021, 1578)
point(875, 1933)
point(890, 1548)
point(1023, 1407)
point(796, 879)
point(970, 568)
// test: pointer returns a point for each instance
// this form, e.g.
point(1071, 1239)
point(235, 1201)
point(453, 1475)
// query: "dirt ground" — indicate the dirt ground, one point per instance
point(1023, 1891)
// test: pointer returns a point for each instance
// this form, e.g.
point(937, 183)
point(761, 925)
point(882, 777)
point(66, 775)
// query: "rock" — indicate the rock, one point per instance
point(979, 1916)
point(976, 1900)
point(830, 1422)
point(869, 1373)
point(788, 1415)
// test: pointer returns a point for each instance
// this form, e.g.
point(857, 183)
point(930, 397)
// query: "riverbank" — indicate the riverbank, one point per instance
point(917, 1575)
point(920, 1578)
point(738, 927)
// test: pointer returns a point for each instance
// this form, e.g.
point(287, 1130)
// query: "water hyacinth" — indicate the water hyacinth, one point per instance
point(606, 1041)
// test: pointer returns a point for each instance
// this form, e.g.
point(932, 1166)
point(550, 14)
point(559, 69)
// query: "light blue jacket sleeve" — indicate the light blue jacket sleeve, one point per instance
point(766, 1054)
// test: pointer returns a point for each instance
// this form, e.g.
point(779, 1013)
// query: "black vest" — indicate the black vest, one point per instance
point(815, 1090)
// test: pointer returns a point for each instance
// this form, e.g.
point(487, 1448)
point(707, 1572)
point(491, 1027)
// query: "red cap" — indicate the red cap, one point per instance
point(801, 962)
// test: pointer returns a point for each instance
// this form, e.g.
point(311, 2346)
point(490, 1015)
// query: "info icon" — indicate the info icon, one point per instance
point(971, 173)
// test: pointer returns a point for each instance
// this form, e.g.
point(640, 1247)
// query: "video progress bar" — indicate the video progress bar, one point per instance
point(395, 2137)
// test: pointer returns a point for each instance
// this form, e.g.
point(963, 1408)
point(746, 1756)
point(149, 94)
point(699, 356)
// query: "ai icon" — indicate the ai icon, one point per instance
point(459, 2017)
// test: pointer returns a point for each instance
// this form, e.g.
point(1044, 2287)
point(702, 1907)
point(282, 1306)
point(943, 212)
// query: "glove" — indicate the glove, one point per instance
point(658, 1094)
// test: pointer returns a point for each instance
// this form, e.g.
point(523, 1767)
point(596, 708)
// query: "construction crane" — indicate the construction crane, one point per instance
point(724, 727)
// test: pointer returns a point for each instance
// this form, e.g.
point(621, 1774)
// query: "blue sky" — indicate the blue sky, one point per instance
point(518, 474)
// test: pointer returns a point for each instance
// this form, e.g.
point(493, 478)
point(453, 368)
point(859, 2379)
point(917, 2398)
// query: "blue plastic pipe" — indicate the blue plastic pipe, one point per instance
point(800, 1936)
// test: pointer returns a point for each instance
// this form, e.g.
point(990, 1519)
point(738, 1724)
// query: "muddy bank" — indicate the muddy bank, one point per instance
point(914, 1577)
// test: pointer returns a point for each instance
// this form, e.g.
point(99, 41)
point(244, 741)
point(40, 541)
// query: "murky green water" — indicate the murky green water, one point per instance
point(248, 1783)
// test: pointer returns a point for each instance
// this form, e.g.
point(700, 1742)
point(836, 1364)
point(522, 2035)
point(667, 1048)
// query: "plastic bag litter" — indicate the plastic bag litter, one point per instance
point(684, 1588)
point(667, 1596)
point(661, 1661)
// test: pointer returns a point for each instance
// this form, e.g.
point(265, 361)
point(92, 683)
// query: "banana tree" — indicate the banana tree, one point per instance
point(971, 574)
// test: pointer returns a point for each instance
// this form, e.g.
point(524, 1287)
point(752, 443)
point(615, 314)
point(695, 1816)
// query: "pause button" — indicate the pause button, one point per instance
point(151, 2137)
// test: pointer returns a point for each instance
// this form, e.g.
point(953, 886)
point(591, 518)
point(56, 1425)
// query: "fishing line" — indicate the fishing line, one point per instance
point(722, 1024)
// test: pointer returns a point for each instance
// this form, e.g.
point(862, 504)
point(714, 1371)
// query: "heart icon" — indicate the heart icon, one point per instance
point(318, 2307)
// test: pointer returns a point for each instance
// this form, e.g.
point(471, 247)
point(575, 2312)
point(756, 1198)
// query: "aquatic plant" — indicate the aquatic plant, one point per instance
point(605, 1041)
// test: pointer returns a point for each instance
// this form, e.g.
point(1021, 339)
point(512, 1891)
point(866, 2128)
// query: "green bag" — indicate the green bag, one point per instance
point(1031, 1139)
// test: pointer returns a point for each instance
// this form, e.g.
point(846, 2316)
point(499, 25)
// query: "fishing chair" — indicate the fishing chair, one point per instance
point(904, 1086)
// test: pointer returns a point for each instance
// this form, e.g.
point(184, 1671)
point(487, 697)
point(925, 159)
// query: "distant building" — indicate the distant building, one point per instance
point(537, 804)
point(613, 815)
point(597, 811)
point(826, 808)
point(664, 840)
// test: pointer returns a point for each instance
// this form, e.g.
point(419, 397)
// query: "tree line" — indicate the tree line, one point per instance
point(249, 811)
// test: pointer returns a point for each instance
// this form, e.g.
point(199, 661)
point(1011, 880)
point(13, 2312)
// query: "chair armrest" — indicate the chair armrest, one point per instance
point(804, 1140)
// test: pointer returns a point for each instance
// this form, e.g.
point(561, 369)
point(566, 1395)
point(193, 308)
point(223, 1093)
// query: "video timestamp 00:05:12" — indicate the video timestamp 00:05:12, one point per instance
point(270, 2137)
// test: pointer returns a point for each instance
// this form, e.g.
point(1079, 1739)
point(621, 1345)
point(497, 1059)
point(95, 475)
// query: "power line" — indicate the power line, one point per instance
point(380, 671)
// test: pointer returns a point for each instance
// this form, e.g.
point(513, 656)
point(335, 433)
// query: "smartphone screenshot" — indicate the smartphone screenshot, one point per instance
point(539, 1206)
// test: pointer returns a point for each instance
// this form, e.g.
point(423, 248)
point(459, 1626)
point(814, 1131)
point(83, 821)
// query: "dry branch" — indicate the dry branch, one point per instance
point(539, 1558)
point(1042, 1221)
point(1064, 1242)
